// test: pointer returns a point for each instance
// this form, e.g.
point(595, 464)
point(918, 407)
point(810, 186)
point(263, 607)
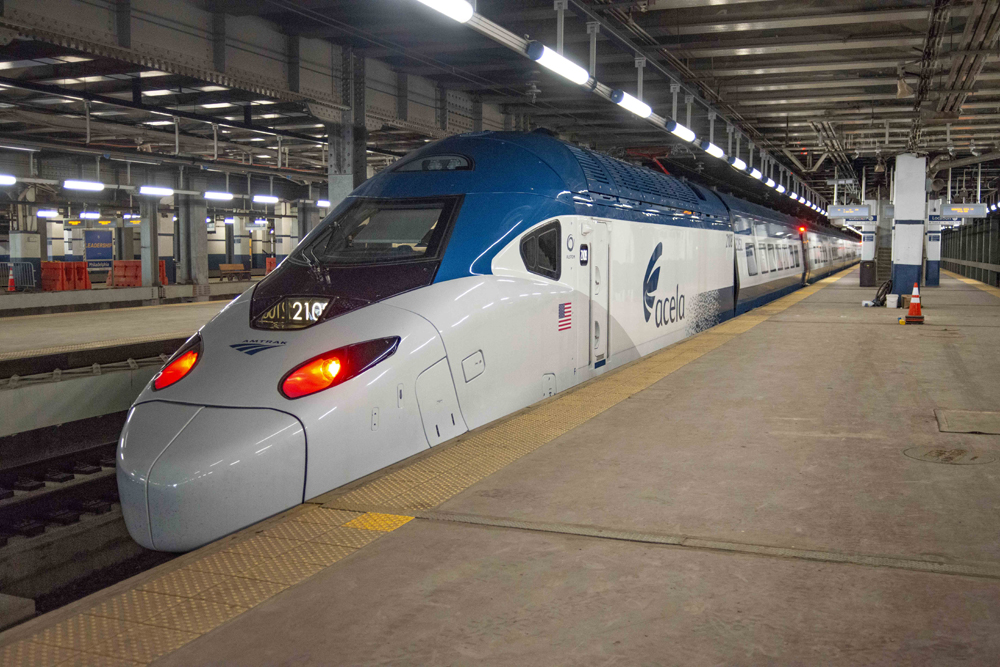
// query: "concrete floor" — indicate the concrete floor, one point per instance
point(782, 452)
point(31, 333)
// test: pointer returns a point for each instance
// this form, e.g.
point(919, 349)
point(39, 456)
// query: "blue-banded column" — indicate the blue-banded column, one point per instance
point(166, 241)
point(56, 241)
point(908, 229)
point(241, 242)
point(932, 277)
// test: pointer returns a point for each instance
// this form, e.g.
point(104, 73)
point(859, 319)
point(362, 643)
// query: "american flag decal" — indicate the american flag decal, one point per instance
point(565, 316)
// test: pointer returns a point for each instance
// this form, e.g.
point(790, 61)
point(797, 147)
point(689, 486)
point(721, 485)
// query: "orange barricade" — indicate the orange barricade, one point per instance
point(269, 264)
point(52, 277)
point(69, 275)
point(82, 276)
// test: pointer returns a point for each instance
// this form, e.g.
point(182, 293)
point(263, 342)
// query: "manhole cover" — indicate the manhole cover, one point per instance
point(955, 456)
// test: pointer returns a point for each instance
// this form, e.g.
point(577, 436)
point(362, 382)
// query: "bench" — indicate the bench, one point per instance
point(233, 272)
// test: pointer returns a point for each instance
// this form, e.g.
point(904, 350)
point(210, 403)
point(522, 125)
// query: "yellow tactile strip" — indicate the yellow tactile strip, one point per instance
point(216, 584)
point(162, 614)
point(975, 283)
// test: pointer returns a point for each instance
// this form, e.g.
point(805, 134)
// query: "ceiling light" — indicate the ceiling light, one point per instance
point(216, 105)
point(738, 163)
point(679, 131)
point(90, 215)
point(47, 213)
point(626, 101)
point(156, 191)
point(551, 60)
point(780, 188)
point(793, 196)
point(712, 149)
point(459, 10)
point(93, 186)
point(229, 221)
point(158, 122)
point(756, 173)
point(770, 183)
point(265, 199)
point(323, 203)
point(220, 196)
point(903, 89)
point(158, 93)
point(7, 179)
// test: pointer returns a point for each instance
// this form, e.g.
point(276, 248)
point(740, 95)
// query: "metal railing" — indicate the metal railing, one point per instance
point(24, 275)
point(973, 250)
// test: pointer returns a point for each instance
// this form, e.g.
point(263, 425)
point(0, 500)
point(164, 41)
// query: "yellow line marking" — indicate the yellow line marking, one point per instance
point(975, 283)
point(186, 598)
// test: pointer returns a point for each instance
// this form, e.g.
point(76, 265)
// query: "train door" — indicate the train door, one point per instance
point(599, 240)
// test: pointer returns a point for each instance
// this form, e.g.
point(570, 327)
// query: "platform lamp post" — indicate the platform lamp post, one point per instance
point(149, 234)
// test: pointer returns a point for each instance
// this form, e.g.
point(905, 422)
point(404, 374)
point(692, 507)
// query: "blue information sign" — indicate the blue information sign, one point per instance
point(98, 249)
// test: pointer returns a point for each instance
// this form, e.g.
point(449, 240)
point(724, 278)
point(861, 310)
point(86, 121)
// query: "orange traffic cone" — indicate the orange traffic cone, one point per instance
point(914, 316)
point(10, 280)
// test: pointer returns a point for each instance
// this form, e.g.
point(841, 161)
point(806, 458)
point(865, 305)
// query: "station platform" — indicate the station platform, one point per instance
point(41, 335)
point(808, 483)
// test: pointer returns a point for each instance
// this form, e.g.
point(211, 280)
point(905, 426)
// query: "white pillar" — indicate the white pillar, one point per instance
point(909, 201)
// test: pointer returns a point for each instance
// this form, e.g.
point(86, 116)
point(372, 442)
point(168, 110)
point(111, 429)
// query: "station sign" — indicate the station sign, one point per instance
point(863, 218)
point(851, 212)
point(944, 218)
point(964, 210)
point(98, 249)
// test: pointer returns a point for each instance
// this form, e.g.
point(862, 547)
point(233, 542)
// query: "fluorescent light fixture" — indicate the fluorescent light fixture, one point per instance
point(158, 93)
point(229, 221)
point(155, 191)
point(809, 203)
point(93, 186)
point(756, 173)
point(712, 149)
point(19, 148)
point(7, 179)
point(208, 219)
point(89, 215)
point(626, 101)
point(260, 221)
point(679, 131)
point(323, 203)
point(459, 10)
point(158, 122)
point(265, 199)
point(216, 105)
point(47, 213)
point(770, 183)
point(551, 60)
point(738, 163)
point(794, 196)
point(219, 196)
point(780, 188)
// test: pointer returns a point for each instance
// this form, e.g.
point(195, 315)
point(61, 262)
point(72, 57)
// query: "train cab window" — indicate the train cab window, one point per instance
point(436, 163)
point(374, 231)
point(540, 251)
point(751, 260)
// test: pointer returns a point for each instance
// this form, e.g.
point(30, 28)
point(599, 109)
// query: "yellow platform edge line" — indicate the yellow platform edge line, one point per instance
point(158, 612)
point(975, 283)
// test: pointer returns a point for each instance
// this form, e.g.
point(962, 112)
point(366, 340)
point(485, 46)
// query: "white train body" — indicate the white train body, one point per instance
point(224, 447)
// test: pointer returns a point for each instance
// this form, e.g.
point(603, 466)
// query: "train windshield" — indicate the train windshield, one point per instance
point(376, 231)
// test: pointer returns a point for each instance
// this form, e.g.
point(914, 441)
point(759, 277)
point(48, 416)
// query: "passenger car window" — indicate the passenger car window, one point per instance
point(540, 251)
point(751, 260)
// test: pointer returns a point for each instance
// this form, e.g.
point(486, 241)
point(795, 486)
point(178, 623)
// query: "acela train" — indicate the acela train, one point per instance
point(474, 277)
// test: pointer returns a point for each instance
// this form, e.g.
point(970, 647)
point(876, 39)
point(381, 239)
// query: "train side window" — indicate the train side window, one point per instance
point(771, 256)
point(751, 260)
point(540, 251)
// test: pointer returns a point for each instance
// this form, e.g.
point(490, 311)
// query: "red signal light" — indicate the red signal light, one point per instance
point(176, 369)
point(336, 367)
point(313, 376)
point(802, 230)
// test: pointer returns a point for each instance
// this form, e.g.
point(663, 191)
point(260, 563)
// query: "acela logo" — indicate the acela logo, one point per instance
point(664, 311)
point(252, 347)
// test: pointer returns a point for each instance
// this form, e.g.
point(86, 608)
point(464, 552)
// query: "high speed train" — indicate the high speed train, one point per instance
point(476, 276)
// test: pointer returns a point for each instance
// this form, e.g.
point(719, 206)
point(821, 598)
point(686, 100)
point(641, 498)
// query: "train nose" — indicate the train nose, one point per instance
point(189, 474)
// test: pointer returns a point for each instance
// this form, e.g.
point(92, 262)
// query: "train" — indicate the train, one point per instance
point(474, 277)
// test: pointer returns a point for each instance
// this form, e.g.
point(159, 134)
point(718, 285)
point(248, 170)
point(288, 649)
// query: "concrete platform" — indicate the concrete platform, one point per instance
point(773, 491)
point(36, 335)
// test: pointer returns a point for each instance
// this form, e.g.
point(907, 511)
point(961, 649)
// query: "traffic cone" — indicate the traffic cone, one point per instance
point(10, 280)
point(914, 316)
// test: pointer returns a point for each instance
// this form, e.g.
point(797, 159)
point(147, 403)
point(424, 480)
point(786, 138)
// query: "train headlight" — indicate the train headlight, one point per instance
point(336, 367)
point(180, 364)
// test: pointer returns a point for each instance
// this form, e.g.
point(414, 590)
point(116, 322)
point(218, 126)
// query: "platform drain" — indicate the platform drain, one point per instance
point(955, 456)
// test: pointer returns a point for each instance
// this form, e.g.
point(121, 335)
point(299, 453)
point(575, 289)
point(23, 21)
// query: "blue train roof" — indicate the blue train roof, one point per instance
point(559, 167)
